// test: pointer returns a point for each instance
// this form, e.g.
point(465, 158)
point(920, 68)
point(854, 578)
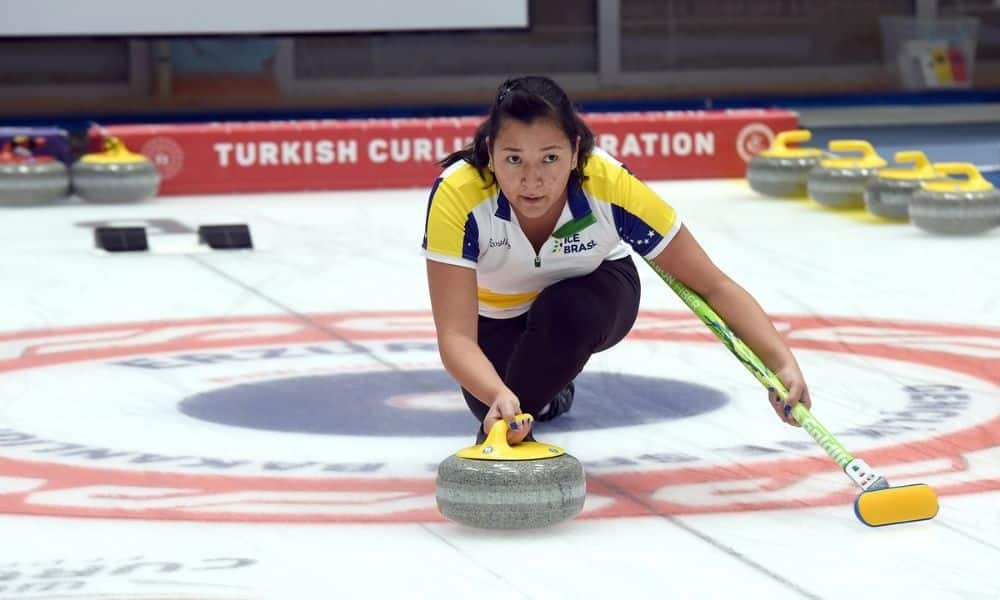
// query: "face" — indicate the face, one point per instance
point(532, 163)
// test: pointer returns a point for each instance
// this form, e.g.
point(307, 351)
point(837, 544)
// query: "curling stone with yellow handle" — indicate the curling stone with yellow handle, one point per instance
point(115, 176)
point(781, 170)
point(964, 205)
point(28, 179)
point(889, 192)
point(494, 485)
point(840, 182)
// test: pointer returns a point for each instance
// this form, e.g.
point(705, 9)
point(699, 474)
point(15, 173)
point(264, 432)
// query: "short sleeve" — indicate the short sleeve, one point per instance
point(644, 220)
point(451, 234)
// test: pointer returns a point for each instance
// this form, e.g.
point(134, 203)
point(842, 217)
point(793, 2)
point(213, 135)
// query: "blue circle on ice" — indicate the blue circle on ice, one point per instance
point(429, 403)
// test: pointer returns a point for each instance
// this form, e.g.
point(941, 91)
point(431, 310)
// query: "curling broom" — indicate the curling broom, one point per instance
point(877, 504)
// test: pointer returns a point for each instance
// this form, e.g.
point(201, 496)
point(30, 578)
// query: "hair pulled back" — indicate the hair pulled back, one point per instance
point(527, 99)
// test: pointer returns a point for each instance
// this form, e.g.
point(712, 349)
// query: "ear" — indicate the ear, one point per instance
point(489, 152)
point(576, 151)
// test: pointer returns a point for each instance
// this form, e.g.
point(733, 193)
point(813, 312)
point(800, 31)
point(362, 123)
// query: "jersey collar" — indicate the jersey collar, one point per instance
point(503, 207)
point(579, 208)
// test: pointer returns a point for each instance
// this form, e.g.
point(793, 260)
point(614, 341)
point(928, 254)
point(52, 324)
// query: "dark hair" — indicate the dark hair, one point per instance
point(527, 99)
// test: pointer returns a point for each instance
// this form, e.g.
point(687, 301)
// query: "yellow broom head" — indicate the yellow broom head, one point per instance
point(891, 506)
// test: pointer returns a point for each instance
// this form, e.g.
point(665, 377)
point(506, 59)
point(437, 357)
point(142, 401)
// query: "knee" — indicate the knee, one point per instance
point(566, 312)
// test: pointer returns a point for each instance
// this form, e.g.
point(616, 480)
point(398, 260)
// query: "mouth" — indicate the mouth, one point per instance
point(531, 199)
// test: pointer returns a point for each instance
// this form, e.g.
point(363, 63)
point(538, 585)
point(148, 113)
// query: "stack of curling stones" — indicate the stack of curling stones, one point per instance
point(954, 206)
point(782, 170)
point(889, 192)
point(497, 486)
point(840, 182)
point(28, 179)
point(115, 175)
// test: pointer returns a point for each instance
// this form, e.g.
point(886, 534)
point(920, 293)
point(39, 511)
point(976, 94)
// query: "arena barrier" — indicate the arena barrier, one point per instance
point(219, 158)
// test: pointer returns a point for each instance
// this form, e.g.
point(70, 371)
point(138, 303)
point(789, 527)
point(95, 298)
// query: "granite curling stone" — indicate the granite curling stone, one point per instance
point(956, 206)
point(497, 486)
point(115, 176)
point(840, 182)
point(30, 180)
point(782, 170)
point(889, 192)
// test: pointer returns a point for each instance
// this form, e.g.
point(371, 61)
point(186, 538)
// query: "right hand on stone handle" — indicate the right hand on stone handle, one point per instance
point(506, 406)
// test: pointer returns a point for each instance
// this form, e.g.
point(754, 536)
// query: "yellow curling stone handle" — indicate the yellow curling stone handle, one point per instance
point(495, 447)
point(869, 159)
point(973, 182)
point(921, 169)
point(114, 152)
point(780, 145)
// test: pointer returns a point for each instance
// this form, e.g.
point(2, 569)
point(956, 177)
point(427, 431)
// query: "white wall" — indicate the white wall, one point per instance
point(157, 17)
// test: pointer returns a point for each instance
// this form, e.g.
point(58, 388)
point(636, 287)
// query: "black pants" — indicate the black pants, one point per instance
point(538, 353)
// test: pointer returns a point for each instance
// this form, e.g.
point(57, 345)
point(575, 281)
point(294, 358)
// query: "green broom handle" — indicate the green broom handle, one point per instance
point(753, 364)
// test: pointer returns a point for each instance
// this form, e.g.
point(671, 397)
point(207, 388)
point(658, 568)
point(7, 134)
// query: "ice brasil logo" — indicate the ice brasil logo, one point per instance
point(572, 244)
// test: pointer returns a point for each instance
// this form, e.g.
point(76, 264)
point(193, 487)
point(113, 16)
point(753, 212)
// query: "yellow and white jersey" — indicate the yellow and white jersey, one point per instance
point(472, 225)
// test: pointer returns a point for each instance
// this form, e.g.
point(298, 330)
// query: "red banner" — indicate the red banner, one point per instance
point(222, 158)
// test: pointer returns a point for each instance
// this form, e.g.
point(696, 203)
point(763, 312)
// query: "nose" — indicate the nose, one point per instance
point(531, 176)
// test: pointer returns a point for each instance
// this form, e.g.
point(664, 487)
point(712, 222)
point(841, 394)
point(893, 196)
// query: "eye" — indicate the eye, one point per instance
point(550, 158)
point(514, 159)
